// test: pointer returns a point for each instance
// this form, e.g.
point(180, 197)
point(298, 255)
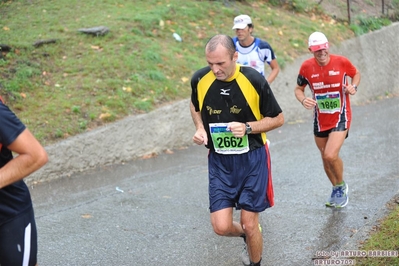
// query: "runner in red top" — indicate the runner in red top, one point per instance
point(327, 76)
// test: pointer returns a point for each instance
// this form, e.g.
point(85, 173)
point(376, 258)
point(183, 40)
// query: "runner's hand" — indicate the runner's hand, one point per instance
point(309, 103)
point(349, 89)
point(200, 137)
point(237, 128)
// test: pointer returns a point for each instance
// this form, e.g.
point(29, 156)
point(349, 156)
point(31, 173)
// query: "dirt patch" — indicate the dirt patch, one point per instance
point(393, 203)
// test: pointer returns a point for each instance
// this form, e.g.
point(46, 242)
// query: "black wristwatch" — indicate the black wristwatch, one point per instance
point(248, 129)
point(354, 86)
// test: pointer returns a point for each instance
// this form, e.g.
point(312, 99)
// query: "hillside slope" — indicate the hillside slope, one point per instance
point(81, 82)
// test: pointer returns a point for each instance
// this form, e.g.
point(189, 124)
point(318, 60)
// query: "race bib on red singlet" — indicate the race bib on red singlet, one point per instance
point(329, 102)
point(224, 142)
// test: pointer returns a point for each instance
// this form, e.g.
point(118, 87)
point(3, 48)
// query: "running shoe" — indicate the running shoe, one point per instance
point(341, 198)
point(244, 254)
point(331, 201)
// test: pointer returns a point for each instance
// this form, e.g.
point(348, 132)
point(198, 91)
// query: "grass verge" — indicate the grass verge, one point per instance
point(384, 238)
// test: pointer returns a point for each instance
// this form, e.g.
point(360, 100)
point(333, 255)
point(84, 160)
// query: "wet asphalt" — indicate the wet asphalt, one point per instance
point(155, 211)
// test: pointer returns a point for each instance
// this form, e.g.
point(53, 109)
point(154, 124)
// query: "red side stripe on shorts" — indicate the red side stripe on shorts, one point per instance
point(1, 100)
point(269, 188)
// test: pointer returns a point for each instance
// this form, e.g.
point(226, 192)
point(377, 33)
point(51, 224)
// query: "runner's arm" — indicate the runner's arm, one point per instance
point(200, 137)
point(31, 156)
point(275, 70)
point(299, 91)
point(266, 124)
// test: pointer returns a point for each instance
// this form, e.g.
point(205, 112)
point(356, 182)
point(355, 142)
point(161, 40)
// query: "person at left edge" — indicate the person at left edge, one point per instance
point(232, 108)
point(18, 236)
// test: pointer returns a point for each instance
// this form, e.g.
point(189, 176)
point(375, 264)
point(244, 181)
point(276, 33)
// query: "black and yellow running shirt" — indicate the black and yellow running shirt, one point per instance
point(245, 97)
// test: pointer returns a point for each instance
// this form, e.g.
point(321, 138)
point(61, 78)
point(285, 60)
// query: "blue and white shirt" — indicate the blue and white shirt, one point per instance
point(255, 55)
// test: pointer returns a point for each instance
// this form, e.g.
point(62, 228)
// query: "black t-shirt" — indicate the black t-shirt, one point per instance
point(15, 198)
point(245, 97)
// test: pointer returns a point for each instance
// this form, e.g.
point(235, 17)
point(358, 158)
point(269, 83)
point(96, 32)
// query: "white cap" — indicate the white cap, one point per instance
point(241, 22)
point(317, 41)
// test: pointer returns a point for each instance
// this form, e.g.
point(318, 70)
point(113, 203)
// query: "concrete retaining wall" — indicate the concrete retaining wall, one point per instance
point(170, 127)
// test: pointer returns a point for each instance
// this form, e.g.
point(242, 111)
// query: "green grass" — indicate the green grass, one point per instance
point(368, 24)
point(81, 82)
point(385, 238)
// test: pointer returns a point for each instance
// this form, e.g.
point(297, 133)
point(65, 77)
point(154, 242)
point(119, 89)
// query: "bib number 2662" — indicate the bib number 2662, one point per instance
point(225, 142)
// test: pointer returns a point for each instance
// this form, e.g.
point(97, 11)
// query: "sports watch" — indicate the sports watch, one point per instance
point(248, 129)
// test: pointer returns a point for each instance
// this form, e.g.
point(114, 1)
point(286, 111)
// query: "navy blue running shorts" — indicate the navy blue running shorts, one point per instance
point(242, 181)
point(18, 240)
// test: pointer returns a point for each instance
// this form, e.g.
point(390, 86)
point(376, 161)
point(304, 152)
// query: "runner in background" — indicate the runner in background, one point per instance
point(252, 51)
point(331, 79)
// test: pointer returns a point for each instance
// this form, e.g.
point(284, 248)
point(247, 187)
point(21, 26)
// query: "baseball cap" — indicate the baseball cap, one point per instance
point(241, 21)
point(317, 41)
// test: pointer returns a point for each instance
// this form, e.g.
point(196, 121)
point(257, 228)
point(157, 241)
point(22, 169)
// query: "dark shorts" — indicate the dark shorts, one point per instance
point(242, 181)
point(18, 241)
point(324, 134)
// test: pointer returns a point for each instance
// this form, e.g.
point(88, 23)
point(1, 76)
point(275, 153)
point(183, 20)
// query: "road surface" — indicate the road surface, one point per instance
point(155, 211)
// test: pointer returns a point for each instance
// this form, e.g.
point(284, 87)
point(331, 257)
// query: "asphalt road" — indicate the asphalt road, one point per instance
point(155, 211)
